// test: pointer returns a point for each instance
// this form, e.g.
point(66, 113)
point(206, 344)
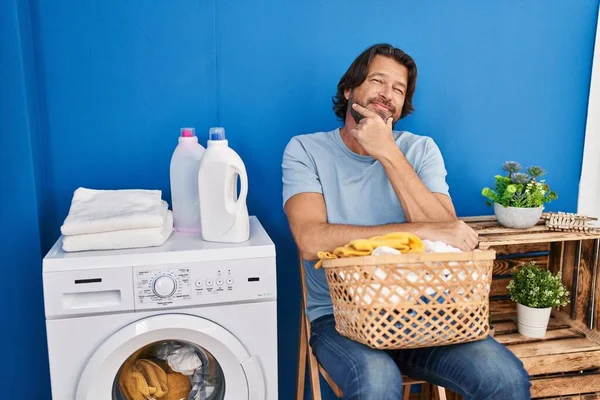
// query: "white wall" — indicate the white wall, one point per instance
point(589, 189)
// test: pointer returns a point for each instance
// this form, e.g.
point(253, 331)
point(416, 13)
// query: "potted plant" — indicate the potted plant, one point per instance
point(536, 290)
point(519, 198)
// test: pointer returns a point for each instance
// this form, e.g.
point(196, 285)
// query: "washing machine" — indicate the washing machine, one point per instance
point(188, 320)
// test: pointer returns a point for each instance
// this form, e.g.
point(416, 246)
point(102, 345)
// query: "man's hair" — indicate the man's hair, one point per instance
point(357, 73)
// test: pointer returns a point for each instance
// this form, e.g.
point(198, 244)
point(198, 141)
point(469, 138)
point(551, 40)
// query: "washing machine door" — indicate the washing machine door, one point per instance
point(238, 374)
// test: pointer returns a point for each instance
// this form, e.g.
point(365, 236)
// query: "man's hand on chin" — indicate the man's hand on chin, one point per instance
point(374, 134)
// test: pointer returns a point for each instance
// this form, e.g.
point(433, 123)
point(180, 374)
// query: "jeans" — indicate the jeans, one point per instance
point(476, 370)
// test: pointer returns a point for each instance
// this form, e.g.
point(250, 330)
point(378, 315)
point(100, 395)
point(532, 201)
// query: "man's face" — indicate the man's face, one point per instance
point(383, 90)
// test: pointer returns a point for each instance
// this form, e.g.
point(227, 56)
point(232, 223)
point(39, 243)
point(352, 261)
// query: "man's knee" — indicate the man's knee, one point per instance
point(376, 377)
point(509, 380)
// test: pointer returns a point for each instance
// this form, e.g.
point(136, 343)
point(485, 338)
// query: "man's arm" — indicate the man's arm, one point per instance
point(418, 202)
point(307, 217)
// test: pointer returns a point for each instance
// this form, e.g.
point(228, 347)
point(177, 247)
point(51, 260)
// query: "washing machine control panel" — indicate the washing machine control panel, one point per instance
point(189, 284)
point(162, 285)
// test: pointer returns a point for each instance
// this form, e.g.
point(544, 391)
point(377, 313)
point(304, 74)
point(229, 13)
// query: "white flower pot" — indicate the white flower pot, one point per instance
point(532, 322)
point(515, 217)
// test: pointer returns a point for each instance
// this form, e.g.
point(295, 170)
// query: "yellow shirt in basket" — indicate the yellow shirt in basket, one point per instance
point(402, 241)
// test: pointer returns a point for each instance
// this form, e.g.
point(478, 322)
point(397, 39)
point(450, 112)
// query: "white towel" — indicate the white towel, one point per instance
point(124, 239)
point(95, 211)
point(439, 247)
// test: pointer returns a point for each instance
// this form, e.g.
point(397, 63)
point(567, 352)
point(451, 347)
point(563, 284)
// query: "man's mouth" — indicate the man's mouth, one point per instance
point(381, 106)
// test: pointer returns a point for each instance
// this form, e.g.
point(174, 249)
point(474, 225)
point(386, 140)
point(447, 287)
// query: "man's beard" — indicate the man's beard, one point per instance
point(357, 116)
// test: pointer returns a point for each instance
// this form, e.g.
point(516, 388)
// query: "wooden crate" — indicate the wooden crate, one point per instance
point(566, 363)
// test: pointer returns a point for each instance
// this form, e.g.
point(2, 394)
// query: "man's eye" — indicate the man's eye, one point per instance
point(377, 80)
point(399, 91)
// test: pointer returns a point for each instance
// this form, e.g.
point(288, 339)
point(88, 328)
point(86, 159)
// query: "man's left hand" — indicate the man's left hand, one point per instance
point(373, 133)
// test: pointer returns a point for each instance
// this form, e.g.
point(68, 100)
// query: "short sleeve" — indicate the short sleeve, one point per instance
point(299, 173)
point(433, 171)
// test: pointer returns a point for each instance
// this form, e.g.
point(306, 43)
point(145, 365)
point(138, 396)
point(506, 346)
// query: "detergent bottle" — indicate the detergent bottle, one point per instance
point(224, 215)
point(185, 163)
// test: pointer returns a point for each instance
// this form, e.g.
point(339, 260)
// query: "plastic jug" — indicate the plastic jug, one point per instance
point(185, 163)
point(224, 215)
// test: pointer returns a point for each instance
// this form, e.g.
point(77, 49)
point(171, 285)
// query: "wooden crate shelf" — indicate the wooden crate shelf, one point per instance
point(565, 364)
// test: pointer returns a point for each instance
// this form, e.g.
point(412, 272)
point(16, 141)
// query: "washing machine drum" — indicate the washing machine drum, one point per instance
point(172, 357)
point(170, 370)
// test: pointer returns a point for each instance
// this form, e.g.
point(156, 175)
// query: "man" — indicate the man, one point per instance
point(365, 179)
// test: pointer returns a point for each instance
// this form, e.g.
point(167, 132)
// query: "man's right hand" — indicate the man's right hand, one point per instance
point(455, 233)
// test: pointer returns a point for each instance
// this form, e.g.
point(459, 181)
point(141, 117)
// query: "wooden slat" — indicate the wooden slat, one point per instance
point(592, 396)
point(584, 288)
point(511, 326)
point(594, 298)
point(556, 256)
point(566, 385)
point(505, 266)
point(502, 307)
point(536, 237)
point(520, 248)
point(498, 286)
point(569, 259)
point(596, 313)
point(488, 228)
point(559, 363)
point(551, 347)
point(517, 338)
point(478, 218)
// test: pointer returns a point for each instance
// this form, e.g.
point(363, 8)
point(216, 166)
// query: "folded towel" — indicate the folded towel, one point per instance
point(439, 247)
point(124, 239)
point(95, 211)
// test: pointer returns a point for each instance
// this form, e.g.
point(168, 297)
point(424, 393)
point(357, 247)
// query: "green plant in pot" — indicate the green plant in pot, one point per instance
point(519, 198)
point(536, 290)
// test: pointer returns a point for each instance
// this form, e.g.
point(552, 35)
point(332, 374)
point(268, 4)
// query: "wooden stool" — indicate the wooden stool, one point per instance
point(305, 352)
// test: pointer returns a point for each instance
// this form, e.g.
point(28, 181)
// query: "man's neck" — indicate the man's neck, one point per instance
point(347, 137)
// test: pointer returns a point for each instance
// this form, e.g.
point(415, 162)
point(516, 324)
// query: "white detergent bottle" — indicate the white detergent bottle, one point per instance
point(185, 163)
point(224, 215)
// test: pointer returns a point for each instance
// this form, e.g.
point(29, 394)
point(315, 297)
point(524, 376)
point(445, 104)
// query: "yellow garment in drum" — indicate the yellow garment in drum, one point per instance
point(179, 387)
point(402, 241)
point(142, 380)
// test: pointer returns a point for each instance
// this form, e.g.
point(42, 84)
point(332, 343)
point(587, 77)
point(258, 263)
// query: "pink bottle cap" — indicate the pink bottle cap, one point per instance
point(188, 132)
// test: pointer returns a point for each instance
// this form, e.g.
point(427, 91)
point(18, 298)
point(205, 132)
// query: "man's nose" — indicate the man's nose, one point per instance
point(386, 92)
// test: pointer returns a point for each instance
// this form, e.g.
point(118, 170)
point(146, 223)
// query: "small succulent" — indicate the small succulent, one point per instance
point(520, 177)
point(535, 172)
point(511, 167)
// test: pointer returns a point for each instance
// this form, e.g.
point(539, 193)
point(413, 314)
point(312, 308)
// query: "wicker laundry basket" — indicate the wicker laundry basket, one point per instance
point(412, 300)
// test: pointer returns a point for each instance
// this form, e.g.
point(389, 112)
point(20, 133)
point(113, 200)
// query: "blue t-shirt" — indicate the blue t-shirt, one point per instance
point(356, 189)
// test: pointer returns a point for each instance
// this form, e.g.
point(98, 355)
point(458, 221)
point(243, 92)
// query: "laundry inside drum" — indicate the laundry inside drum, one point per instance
point(170, 370)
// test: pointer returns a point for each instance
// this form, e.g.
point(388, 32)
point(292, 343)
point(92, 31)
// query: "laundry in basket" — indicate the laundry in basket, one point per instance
point(395, 301)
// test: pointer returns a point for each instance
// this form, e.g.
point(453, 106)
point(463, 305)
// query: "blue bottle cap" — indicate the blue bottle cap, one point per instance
point(216, 133)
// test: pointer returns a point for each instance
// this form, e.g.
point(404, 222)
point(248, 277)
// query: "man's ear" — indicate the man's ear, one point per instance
point(347, 93)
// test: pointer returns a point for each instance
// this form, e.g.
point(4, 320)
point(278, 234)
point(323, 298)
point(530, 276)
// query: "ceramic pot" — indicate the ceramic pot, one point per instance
point(518, 218)
point(532, 322)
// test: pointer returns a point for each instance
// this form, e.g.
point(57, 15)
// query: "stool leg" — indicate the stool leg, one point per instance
point(425, 392)
point(302, 353)
point(315, 384)
point(440, 393)
point(406, 392)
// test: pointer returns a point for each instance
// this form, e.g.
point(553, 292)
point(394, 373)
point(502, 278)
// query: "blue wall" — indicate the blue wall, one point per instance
point(96, 93)
point(22, 313)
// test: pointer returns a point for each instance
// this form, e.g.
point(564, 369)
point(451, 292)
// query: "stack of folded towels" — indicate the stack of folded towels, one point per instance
point(116, 219)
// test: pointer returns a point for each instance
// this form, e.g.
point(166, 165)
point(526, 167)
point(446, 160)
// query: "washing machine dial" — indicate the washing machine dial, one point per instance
point(164, 286)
